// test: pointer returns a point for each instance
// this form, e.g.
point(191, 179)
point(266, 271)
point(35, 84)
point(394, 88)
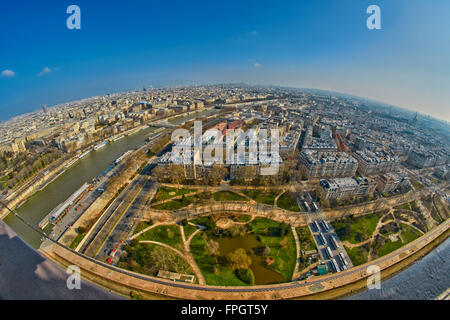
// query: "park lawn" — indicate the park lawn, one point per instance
point(409, 233)
point(176, 203)
point(77, 240)
point(136, 260)
point(243, 218)
point(205, 221)
point(288, 202)
point(142, 225)
point(188, 230)
point(284, 257)
point(358, 255)
point(213, 273)
point(266, 197)
point(165, 193)
point(306, 239)
point(356, 230)
point(390, 216)
point(388, 247)
point(435, 215)
point(228, 196)
point(168, 234)
point(264, 226)
point(416, 184)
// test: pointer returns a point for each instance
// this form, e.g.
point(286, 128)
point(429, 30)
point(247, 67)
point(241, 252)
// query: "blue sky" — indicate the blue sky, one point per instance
point(124, 45)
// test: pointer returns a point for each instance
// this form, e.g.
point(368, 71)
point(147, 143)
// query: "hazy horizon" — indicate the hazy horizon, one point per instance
point(326, 45)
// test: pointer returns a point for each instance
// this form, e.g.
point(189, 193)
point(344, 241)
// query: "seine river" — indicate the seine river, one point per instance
point(84, 170)
point(425, 279)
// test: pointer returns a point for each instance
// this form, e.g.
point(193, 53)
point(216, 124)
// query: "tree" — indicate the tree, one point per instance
point(213, 247)
point(160, 173)
point(176, 174)
point(246, 275)
point(238, 259)
point(283, 230)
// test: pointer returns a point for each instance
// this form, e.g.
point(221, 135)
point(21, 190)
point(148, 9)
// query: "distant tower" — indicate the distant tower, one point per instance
point(45, 108)
point(415, 119)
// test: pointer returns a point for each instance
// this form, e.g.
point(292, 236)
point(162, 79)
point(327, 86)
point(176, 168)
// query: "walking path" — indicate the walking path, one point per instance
point(296, 273)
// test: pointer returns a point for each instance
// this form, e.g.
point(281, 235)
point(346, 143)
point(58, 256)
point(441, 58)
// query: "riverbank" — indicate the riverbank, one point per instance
point(328, 286)
point(64, 166)
point(386, 274)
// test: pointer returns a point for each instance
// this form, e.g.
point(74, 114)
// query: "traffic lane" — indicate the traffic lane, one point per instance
point(124, 227)
point(119, 234)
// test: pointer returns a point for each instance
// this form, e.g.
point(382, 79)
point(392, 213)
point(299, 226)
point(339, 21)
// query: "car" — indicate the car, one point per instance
point(109, 260)
point(113, 252)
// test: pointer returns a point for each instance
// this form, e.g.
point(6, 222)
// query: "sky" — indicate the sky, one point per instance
point(126, 45)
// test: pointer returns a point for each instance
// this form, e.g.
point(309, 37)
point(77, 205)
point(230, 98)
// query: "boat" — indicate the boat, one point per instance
point(101, 145)
point(83, 154)
point(122, 156)
point(117, 138)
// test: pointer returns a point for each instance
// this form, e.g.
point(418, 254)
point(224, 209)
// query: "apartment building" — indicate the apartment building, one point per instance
point(316, 164)
point(344, 188)
point(370, 162)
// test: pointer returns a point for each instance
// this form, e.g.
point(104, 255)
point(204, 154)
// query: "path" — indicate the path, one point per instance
point(296, 273)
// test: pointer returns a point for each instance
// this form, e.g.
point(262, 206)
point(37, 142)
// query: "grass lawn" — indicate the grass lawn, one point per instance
point(139, 260)
point(212, 272)
point(288, 201)
point(77, 240)
point(356, 230)
point(188, 230)
point(405, 206)
point(142, 225)
point(204, 221)
point(306, 239)
point(228, 196)
point(266, 197)
point(166, 234)
point(409, 233)
point(416, 184)
point(388, 217)
point(358, 255)
point(243, 218)
point(282, 249)
point(388, 247)
point(176, 203)
point(165, 193)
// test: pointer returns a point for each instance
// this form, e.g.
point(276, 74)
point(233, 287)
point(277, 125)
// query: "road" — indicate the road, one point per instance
point(127, 219)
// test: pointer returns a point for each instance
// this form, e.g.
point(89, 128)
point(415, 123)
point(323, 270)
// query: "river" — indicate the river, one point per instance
point(425, 279)
point(84, 170)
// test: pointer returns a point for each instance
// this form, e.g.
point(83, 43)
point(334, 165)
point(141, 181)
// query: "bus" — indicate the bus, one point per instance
point(335, 243)
point(329, 252)
point(335, 265)
point(325, 225)
point(316, 225)
point(322, 238)
point(344, 261)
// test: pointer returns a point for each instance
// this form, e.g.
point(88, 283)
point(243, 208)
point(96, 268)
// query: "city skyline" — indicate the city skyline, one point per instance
point(324, 46)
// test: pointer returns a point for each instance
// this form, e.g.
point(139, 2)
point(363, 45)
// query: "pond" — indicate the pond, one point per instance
point(249, 242)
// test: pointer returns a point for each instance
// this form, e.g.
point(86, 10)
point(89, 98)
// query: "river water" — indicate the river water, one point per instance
point(425, 279)
point(84, 170)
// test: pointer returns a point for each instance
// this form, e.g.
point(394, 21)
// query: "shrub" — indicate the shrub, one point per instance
point(246, 275)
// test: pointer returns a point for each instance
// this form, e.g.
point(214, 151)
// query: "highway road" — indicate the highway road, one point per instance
point(126, 221)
